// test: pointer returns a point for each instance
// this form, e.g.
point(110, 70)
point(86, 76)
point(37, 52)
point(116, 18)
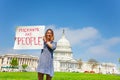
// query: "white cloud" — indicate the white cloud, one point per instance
point(89, 43)
point(105, 46)
point(88, 37)
point(105, 51)
point(99, 49)
point(76, 36)
point(112, 41)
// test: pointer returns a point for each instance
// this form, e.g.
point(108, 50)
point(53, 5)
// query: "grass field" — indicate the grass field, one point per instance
point(57, 76)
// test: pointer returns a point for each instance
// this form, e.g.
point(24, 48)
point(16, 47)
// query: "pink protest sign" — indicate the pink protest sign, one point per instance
point(29, 37)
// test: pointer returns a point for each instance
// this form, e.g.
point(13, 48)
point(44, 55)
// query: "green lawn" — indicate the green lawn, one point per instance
point(57, 76)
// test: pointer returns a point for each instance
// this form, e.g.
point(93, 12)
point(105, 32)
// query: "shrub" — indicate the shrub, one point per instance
point(86, 71)
point(92, 71)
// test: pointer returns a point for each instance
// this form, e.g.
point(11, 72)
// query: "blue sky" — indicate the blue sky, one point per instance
point(93, 24)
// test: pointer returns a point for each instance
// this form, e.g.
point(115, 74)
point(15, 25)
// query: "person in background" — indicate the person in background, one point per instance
point(45, 64)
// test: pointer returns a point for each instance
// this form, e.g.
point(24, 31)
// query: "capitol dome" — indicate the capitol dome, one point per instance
point(63, 42)
point(63, 49)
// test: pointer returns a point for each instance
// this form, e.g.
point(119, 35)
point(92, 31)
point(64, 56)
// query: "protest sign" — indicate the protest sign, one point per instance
point(29, 37)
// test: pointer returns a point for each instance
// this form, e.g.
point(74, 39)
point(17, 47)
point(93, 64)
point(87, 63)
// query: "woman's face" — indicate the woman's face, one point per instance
point(49, 34)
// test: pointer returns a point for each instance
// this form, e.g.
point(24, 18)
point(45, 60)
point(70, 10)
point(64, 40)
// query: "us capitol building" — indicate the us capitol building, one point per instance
point(63, 61)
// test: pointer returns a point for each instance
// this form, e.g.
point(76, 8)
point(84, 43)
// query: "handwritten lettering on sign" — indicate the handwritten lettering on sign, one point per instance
point(29, 37)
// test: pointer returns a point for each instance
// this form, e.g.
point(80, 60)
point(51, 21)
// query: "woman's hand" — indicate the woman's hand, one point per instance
point(49, 44)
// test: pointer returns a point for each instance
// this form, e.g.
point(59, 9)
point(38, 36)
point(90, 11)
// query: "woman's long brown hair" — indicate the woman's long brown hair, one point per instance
point(52, 38)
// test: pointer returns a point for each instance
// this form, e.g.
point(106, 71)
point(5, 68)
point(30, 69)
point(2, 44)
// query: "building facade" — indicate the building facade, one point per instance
point(63, 56)
point(64, 61)
point(31, 61)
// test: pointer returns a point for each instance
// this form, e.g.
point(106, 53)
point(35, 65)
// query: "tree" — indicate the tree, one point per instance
point(93, 63)
point(119, 60)
point(24, 66)
point(14, 63)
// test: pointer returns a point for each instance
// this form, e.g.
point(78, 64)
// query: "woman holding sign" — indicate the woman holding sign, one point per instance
point(45, 65)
